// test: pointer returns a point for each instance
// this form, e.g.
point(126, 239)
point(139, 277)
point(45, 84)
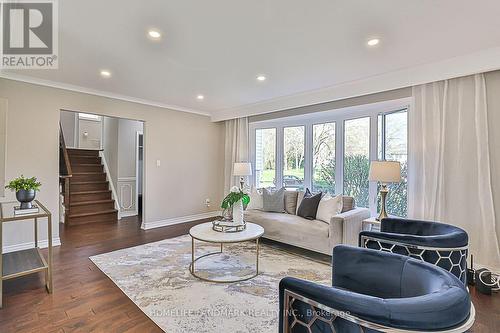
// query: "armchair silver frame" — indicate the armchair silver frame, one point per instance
point(330, 315)
point(453, 260)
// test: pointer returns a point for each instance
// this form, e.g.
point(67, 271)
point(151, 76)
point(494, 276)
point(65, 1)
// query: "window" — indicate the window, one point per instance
point(293, 157)
point(265, 157)
point(330, 152)
point(393, 146)
point(323, 178)
point(357, 160)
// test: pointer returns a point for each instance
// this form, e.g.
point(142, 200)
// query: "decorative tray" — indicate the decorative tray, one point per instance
point(228, 226)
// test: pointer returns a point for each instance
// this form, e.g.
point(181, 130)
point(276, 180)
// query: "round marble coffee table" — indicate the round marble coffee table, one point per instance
point(204, 232)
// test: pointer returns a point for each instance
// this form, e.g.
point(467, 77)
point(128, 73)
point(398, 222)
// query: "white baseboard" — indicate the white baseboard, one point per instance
point(56, 241)
point(129, 213)
point(177, 220)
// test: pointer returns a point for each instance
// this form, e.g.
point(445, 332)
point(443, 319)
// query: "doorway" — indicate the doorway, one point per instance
point(106, 158)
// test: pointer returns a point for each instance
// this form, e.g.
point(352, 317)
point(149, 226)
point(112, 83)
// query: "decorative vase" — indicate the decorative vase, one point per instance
point(238, 212)
point(227, 214)
point(25, 197)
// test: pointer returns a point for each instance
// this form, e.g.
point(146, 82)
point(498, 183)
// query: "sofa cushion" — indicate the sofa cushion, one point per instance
point(291, 202)
point(256, 201)
point(347, 203)
point(329, 206)
point(273, 201)
point(309, 205)
point(292, 229)
point(300, 196)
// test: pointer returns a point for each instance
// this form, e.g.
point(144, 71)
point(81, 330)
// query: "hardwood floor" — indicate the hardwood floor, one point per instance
point(85, 300)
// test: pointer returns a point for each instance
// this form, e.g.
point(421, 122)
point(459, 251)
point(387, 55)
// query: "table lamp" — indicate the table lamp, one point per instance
point(384, 172)
point(242, 170)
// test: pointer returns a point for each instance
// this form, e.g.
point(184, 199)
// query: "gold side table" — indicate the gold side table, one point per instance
point(29, 261)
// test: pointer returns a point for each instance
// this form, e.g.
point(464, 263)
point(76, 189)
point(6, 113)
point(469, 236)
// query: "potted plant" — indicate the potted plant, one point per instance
point(234, 201)
point(25, 189)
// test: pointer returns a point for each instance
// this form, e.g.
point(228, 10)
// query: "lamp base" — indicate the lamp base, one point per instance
point(383, 196)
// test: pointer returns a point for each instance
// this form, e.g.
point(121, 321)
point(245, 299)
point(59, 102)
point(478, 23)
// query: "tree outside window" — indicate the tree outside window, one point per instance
point(323, 179)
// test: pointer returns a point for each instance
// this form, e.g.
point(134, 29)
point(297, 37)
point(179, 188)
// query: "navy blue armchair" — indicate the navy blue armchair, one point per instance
point(374, 291)
point(440, 244)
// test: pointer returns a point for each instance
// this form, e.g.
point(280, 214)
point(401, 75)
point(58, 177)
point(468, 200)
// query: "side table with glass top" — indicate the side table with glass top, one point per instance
point(29, 261)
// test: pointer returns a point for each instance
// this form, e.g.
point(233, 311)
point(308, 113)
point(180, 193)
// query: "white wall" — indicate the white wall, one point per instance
point(110, 147)
point(89, 133)
point(3, 140)
point(68, 125)
point(189, 146)
point(126, 147)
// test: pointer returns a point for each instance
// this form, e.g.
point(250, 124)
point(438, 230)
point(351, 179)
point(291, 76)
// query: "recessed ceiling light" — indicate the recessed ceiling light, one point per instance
point(154, 34)
point(105, 73)
point(200, 97)
point(373, 42)
point(261, 78)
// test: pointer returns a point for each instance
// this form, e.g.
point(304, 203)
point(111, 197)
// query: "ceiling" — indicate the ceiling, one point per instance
point(310, 51)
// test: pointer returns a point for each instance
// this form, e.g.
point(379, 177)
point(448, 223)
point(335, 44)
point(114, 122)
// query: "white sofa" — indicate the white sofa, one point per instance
point(314, 235)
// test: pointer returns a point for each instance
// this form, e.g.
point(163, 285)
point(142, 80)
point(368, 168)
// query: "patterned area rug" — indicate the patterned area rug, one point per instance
point(156, 277)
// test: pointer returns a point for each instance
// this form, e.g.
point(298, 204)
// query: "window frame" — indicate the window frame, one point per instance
point(283, 155)
point(311, 167)
point(252, 136)
point(383, 150)
point(371, 190)
point(337, 116)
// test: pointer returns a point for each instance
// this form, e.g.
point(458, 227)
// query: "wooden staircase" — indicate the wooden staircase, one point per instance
point(90, 199)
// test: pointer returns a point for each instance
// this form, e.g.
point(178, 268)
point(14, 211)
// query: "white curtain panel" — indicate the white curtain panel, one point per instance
point(450, 162)
point(236, 149)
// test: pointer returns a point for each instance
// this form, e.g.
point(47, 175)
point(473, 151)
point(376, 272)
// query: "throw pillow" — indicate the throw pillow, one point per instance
point(348, 204)
point(255, 199)
point(273, 201)
point(309, 205)
point(329, 206)
point(291, 202)
point(300, 196)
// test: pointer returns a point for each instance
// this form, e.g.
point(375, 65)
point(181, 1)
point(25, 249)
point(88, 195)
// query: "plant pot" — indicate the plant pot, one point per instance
point(25, 197)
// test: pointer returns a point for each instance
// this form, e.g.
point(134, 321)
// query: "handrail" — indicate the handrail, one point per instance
point(65, 156)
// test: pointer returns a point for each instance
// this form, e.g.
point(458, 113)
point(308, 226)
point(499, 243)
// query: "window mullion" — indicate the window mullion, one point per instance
point(308, 152)
point(339, 157)
point(279, 156)
point(372, 189)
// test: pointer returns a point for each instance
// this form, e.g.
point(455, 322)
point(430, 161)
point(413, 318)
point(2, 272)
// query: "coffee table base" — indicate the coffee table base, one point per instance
point(194, 260)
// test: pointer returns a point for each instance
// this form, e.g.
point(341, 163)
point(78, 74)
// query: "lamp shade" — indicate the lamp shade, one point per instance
point(385, 171)
point(242, 169)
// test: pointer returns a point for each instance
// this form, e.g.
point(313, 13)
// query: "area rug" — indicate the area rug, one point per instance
point(156, 278)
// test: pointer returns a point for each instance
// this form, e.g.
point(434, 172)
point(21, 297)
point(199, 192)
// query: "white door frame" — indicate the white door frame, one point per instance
point(137, 134)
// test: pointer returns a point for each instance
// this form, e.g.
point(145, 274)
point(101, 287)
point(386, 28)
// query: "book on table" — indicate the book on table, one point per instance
point(18, 211)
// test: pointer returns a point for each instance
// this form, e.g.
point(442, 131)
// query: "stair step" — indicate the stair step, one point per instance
point(85, 167)
point(82, 159)
point(90, 195)
point(82, 203)
point(88, 186)
point(83, 207)
point(82, 152)
point(88, 176)
point(108, 215)
point(107, 211)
